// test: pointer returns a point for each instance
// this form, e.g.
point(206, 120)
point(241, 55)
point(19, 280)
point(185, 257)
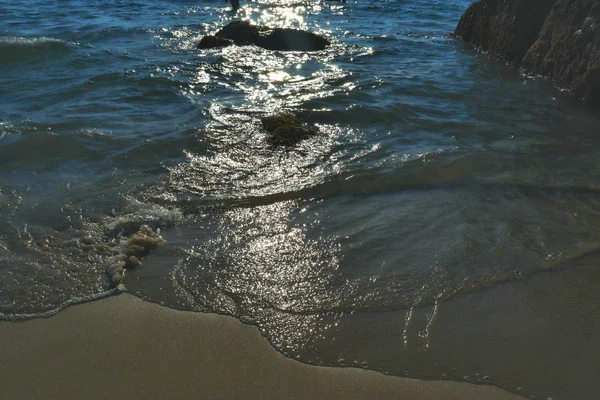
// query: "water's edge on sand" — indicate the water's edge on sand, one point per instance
point(124, 347)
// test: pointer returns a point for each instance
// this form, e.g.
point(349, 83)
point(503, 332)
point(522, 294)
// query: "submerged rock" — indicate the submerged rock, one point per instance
point(559, 39)
point(286, 130)
point(283, 39)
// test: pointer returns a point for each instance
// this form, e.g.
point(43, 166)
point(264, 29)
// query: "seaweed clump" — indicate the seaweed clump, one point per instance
point(134, 249)
point(286, 129)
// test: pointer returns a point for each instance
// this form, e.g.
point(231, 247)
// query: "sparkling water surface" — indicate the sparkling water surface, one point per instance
point(441, 224)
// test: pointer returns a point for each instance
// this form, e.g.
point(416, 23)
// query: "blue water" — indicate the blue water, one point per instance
point(442, 224)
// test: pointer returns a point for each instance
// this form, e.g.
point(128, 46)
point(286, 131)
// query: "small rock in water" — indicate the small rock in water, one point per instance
point(286, 130)
point(282, 39)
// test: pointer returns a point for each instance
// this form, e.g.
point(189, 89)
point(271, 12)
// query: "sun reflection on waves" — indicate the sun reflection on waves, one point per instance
point(253, 255)
point(277, 76)
point(275, 81)
point(256, 263)
point(280, 14)
point(241, 164)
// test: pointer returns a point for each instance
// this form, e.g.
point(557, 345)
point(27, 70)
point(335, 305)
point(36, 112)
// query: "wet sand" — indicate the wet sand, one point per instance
point(124, 348)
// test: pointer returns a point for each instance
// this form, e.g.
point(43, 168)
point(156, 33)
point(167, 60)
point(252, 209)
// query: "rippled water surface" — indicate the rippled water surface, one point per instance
point(442, 223)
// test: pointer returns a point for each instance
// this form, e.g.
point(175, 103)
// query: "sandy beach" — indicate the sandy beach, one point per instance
point(125, 348)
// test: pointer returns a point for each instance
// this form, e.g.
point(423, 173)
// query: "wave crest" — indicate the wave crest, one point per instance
point(17, 47)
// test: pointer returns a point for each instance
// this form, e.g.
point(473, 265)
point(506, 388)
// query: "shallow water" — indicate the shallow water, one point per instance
point(441, 224)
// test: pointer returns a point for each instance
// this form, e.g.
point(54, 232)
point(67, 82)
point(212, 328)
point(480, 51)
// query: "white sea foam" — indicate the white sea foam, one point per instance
point(93, 132)
point(5, 128)
point(30, 41)
point(137, 213)
point(44, 314)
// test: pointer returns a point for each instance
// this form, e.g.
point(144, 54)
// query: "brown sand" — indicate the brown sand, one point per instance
point(124, 348)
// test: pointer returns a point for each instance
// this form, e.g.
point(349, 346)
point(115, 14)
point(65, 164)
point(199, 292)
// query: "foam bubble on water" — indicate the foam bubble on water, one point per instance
point(93, 132)
point(137, 213)
point(132, 250)
point(46, 270)
point(7, 316)
point(7, 128)
point(138, 233)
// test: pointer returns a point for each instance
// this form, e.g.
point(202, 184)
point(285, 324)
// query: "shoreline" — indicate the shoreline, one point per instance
point(122, 347)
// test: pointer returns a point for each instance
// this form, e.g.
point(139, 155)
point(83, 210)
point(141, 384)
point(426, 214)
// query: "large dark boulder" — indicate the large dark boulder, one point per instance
point(283, 39)
point(559, 39)
point(504, 27)
point(568, 48)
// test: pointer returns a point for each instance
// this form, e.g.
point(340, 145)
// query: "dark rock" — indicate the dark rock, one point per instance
point(240, 32)
point(286, 130)
point(283, 39)
point(211, 42)
point(568, 49)
point(290, 40)
point(559, 39)
point(504, 27)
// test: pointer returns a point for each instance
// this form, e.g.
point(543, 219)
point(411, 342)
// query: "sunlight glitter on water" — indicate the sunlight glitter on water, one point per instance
point(436, 176)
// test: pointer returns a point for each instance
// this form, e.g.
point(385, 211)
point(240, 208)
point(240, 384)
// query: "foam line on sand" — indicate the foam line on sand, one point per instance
point(124, 348)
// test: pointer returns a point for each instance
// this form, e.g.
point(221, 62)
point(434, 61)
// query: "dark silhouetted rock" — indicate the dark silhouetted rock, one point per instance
point(211, 42)
point(568, 49)
point(283, 39)
point(559, 39)
point(240, 32)
point(290, 40)
point(286, 130)
point(504, 27)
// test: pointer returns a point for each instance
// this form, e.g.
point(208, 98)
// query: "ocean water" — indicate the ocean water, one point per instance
point(441, 224)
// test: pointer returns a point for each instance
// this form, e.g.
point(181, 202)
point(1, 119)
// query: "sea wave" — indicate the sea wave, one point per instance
point(43, 41)
point(48, 313)
point(15, 48)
